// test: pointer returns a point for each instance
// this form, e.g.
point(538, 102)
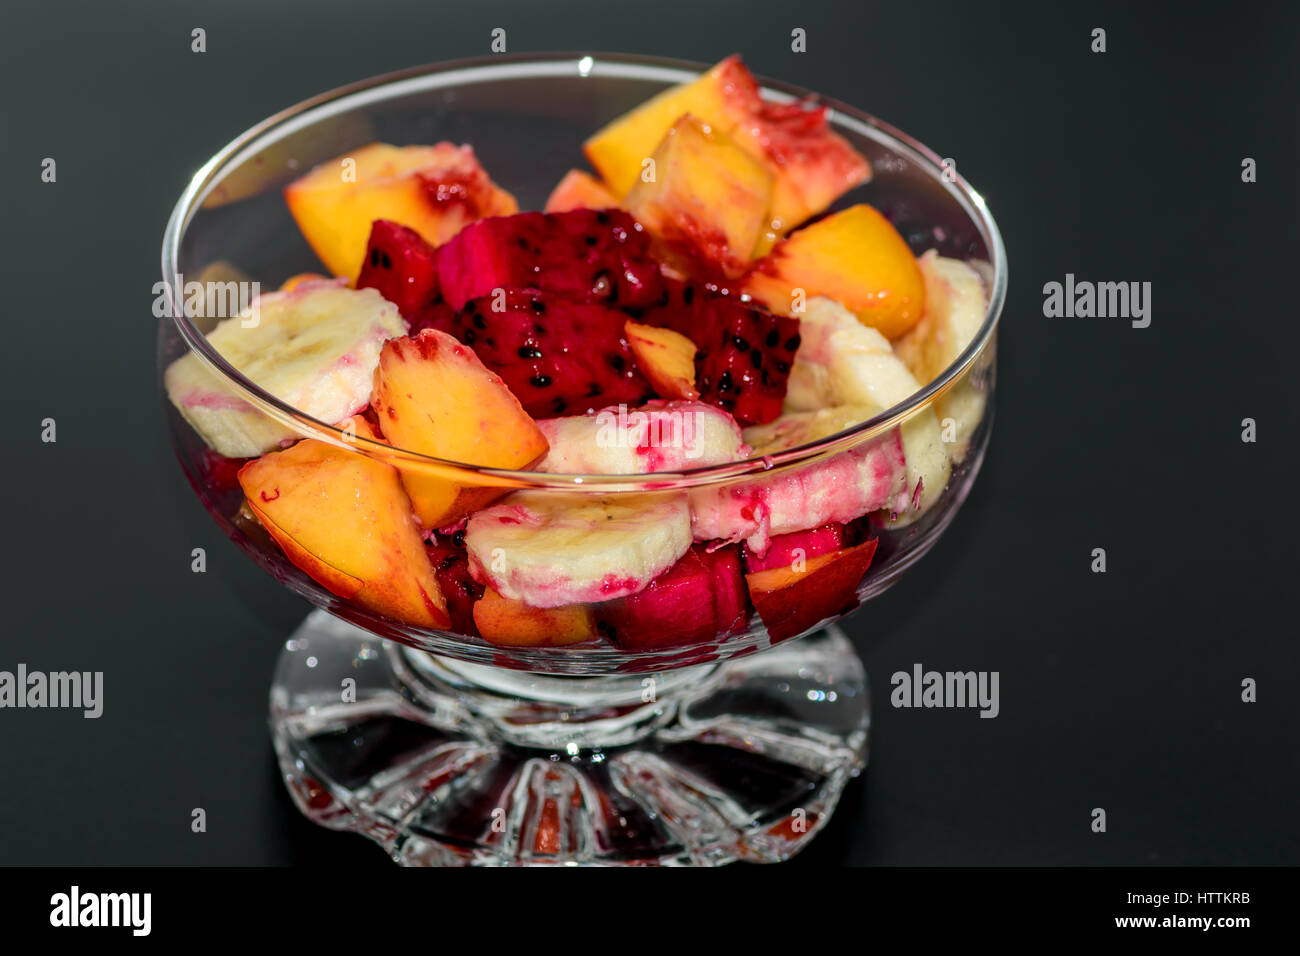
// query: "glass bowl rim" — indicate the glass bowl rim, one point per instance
point(521, 65)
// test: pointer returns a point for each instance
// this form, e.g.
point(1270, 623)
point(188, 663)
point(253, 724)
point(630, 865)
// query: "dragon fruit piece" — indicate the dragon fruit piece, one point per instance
point(219, 472)
point(557, 357)
point(450, 563)
point(677, 608)
point(437, 315)
point(744, 353)
point(730, 596)
point(399, 265)
point(583, 255)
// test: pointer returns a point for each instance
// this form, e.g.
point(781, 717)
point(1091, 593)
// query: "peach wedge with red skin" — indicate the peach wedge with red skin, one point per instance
point(720, 97)
point(811, 165)
point(344, 519)
point(707, 201)
point(855, 257)
point(579, 190)
point(433, 396)
point(790, 600)
point(435, 190)
point(510, 623)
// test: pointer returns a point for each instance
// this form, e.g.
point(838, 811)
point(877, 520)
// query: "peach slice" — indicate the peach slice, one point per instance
point(812, 166)
point(719, 97)
point(707, 200)
point(434, 190)
point(579, 190)
point(433, 396)
point(515, 624)
point(855, 257)
point(344, 519)
point(666, 358)
point(791, 599)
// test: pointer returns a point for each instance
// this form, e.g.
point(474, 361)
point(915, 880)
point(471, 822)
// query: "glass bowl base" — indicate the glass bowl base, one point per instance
point(444, 763)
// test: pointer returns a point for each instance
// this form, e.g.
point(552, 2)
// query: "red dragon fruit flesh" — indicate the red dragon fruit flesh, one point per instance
point(744, 353)
point(701, 597)
point(584, 255)
point(451, 566)
point(557, 357)
point(399, 265)
point(675, 609)
point(730, 596)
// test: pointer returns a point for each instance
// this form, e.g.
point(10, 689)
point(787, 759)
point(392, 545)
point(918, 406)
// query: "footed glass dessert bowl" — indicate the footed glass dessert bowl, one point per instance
point(578, 493)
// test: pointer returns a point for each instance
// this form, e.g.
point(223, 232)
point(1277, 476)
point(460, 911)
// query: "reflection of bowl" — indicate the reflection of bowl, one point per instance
point(525, 118)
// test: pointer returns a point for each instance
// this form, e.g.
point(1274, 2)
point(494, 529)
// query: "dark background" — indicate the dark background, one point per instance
point(1119, 690)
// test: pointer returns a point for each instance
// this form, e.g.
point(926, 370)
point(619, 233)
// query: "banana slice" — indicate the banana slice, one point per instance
point(315, 348)
point(659, 436)
point(954, 311)
point(551, 549)
point(843, 362)
point(841, 488)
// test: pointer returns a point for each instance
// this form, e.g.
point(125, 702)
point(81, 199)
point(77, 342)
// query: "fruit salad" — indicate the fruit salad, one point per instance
point(707, 293)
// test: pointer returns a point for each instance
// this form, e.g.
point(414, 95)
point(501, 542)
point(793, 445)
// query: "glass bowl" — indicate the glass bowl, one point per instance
point(449, 749)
